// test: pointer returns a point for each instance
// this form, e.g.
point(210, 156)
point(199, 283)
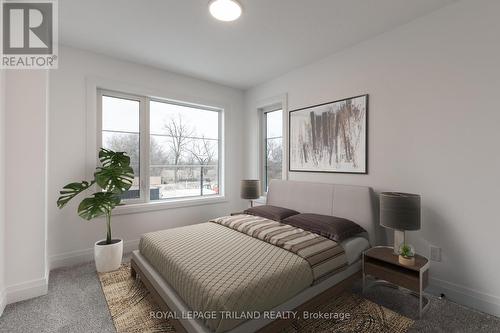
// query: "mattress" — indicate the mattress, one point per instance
point(214, 268)
point(353, 248)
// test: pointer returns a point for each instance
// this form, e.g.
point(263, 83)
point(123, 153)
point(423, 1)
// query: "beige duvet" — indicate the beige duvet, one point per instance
point(215, 268)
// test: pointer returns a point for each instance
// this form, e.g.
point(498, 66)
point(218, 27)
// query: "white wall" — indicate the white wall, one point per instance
point(433, 129)
point(2, 191)
point(26, 273)
point(71, 238)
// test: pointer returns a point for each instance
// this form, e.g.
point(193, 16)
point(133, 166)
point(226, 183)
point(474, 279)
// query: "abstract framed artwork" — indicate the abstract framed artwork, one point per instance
point(330, 137)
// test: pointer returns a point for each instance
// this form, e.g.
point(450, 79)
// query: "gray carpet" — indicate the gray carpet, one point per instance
point(75, 303)
point(442, 316)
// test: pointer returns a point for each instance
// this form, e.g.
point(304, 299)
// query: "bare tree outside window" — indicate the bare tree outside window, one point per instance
point(274, 159)
point(180, 135)
point(202, 151)
point(125, 143)
point(158, 154)
point(190, 136)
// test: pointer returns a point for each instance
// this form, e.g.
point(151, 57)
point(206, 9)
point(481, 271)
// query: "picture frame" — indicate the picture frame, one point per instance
point(330, 137)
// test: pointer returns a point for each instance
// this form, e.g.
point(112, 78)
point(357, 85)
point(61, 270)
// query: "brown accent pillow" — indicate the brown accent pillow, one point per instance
point(332, 227)
point(271, 212)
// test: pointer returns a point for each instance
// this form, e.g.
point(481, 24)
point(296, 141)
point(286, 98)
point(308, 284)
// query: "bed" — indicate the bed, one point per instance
point(216, 279)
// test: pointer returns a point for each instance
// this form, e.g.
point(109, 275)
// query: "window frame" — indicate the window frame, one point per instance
point(144, 203)
point(265, 176)
point(219, 141)
point(275, 103)
point(143, 128)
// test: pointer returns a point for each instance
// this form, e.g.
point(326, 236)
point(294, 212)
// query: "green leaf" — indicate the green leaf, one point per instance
point(72, 190)
point(99, 204)
point(110, 158)
point(115, 179)
point(115, 176)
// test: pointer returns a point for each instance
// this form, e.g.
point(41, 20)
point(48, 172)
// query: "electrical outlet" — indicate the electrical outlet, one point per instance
point(435, 253)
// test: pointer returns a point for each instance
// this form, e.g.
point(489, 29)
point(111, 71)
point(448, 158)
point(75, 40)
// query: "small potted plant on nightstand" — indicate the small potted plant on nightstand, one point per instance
point(406, 255)
point(113, 178)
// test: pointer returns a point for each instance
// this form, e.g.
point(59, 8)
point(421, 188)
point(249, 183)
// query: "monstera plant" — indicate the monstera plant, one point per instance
point(113, 178)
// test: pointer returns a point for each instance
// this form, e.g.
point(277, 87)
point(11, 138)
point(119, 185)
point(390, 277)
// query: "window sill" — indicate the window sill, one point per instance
point(135, 208)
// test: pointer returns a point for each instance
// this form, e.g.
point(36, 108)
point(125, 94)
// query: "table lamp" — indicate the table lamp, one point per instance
point(250, 189)
point(401, 212)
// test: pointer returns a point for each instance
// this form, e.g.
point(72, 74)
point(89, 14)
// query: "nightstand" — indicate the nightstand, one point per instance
point(381, 263)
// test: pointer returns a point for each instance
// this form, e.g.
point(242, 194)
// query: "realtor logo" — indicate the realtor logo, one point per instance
point(29, 34)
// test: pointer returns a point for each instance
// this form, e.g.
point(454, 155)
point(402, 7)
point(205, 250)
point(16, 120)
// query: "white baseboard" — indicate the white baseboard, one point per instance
point(465, 296)
point(34, 288)
point(85, 255)
point(26, 290)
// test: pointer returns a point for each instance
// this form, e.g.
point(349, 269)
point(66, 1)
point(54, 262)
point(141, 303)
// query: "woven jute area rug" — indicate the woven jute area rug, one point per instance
point(131, 305)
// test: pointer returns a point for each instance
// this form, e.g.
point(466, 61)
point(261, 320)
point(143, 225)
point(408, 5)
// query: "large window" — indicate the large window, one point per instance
point(174, 147)
point(273, 146)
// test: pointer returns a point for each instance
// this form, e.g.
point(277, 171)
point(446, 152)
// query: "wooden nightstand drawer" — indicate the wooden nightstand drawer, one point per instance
point(390, 274)
point(406, 277)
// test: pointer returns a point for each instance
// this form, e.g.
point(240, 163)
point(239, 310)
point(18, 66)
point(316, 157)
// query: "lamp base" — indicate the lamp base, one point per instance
point(399, 238)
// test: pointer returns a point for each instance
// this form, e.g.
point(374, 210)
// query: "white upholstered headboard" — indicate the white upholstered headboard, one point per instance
point(347, 201)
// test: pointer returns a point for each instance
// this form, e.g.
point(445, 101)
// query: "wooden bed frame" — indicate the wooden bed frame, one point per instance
point(352, 202)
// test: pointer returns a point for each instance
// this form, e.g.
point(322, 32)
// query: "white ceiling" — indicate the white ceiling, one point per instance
point(271, 38)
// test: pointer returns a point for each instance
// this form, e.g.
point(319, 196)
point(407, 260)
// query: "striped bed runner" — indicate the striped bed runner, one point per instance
point(325, 256)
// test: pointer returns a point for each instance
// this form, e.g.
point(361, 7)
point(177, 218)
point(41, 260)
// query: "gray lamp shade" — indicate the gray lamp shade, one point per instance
point(400, 211)
point(250, 189)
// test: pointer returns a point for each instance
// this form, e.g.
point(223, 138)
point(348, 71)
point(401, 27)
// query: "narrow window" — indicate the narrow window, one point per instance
point(120, 132)
point(273, 146)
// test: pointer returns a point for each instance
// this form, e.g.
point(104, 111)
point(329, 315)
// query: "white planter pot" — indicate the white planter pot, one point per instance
point(108, 257)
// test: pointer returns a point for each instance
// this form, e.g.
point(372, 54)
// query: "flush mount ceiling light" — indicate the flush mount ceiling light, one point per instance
point(225, 10)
